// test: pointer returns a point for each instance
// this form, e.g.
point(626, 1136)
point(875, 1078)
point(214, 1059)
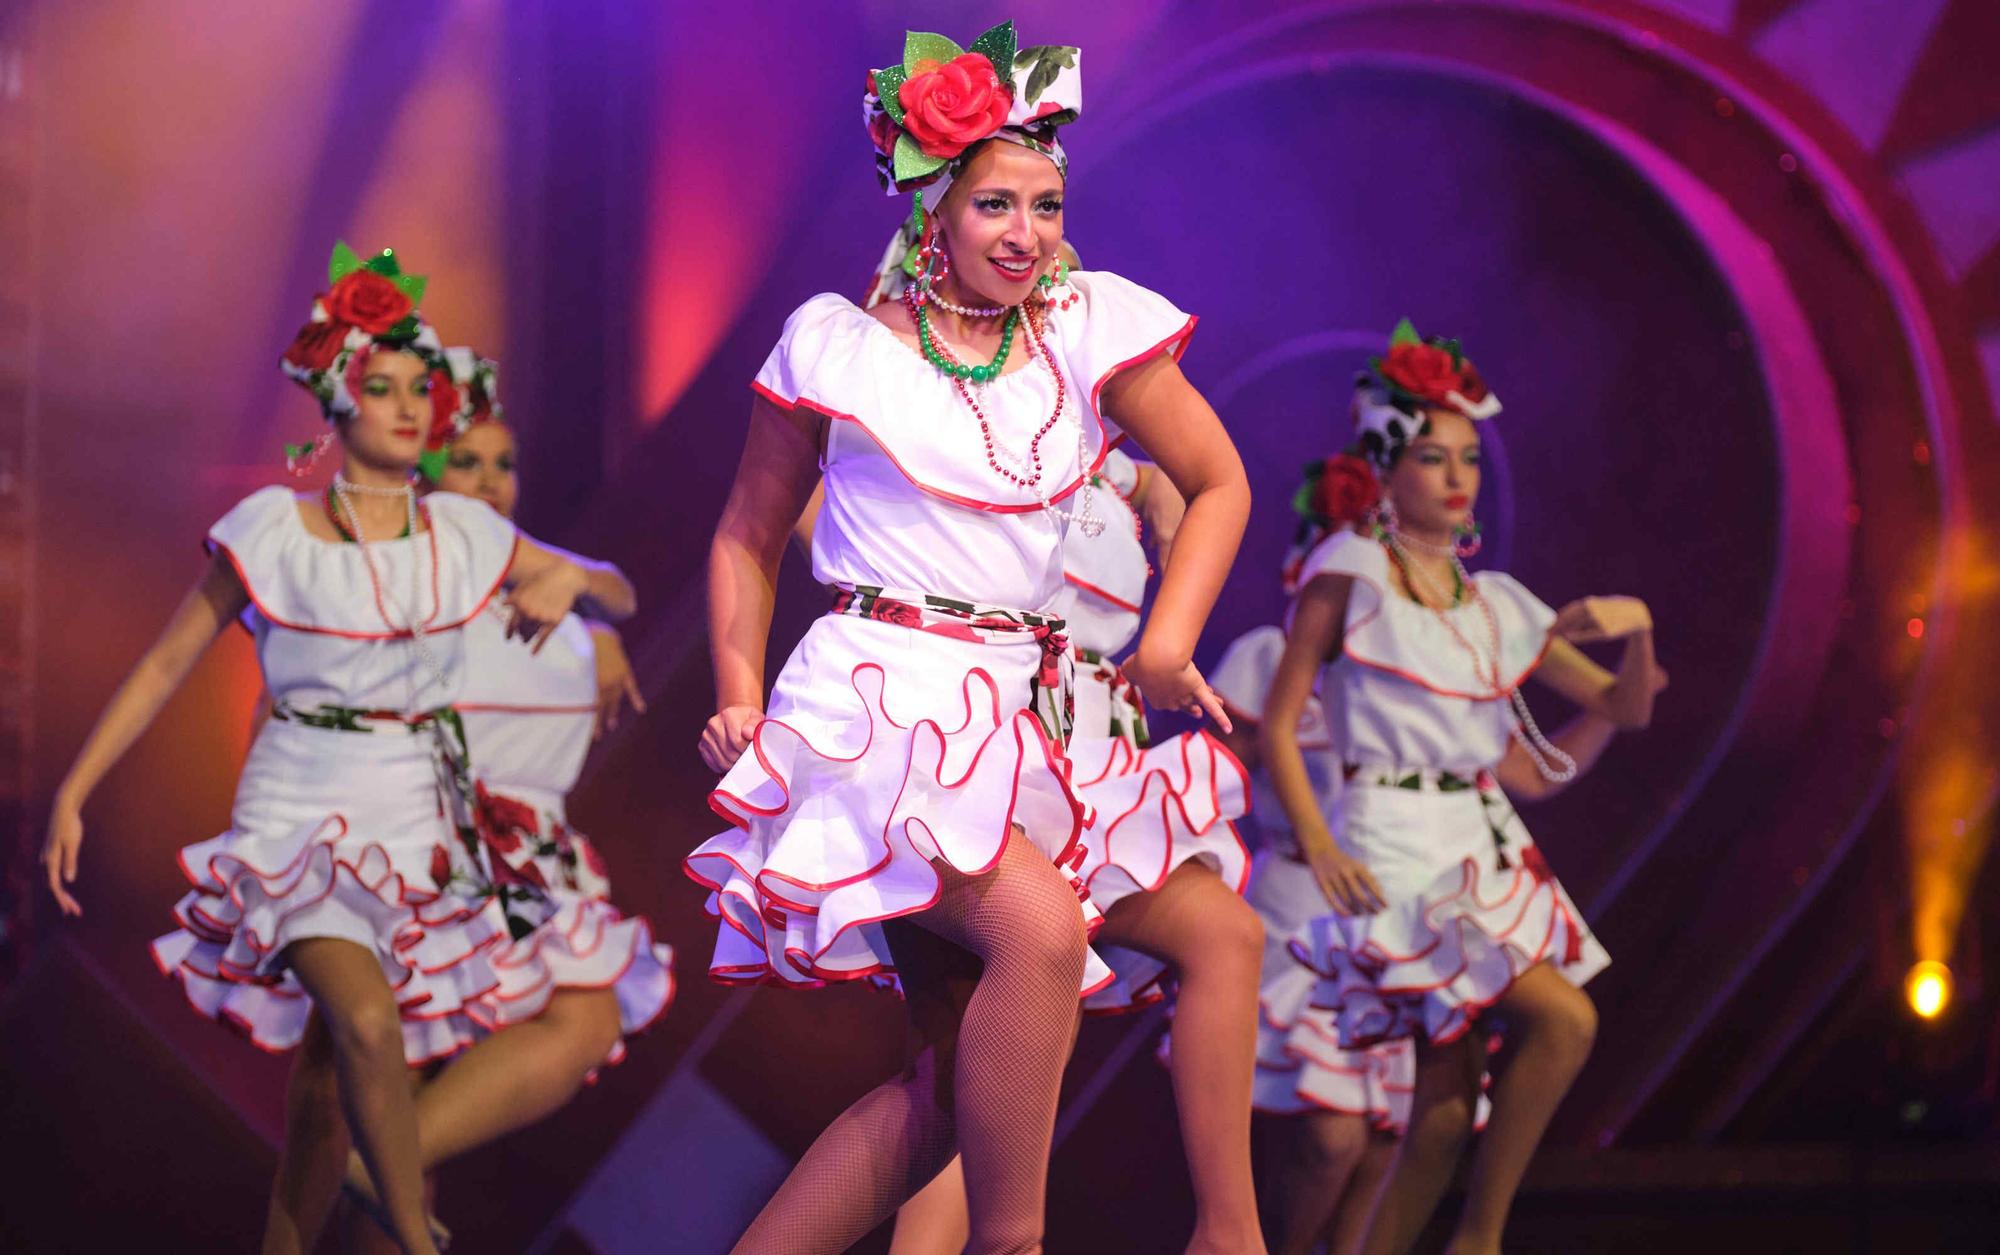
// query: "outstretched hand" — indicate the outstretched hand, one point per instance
point(59, 855)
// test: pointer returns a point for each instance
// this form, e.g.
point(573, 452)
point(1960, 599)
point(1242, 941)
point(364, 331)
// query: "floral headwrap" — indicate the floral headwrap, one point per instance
point(924, 114)
point(1416, 373)
point(1336, 493)
point(464, 393)
point(368, 304)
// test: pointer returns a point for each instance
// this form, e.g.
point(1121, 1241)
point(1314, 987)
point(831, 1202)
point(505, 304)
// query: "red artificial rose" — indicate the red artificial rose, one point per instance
point(503, 821)
point(316, 345)
point(1347, 490)
point(366, 300)
point(1425, 371)
point(899, 613)
point(444, 410)
point(948, 108)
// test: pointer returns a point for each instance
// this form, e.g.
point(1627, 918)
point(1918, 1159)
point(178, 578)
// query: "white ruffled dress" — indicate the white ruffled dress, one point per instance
point(1301, 1065)
point(1155, 806)
point(529, 719)
point(1472, 903)
point(340, 826)
point(889, 744)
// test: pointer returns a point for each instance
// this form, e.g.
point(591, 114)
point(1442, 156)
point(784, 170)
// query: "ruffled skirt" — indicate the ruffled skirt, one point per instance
point(885, 748)
point(336, 834)
point(1301, 1065)
point(1472, 905)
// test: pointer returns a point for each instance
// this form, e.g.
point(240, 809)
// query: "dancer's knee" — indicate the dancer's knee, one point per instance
point(1331, 1144)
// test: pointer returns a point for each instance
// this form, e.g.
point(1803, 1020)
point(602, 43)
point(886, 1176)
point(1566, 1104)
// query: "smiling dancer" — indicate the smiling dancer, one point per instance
point(905, 791)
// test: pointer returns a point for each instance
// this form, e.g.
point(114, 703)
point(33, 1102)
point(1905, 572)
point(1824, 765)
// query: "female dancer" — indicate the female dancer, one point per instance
point(908, 787)
point(585, 977)
point(1330, 1117)
point(1443, 906)
point(346, 884)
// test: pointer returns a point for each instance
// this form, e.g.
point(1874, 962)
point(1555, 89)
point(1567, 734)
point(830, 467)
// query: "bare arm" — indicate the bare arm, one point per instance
point(548, 583)
point(774, 482)
point(208, 607)
point(1161, 508)
point(1319, 618)
point(1626, 699)
point(1584, 739)
point(1176, 427)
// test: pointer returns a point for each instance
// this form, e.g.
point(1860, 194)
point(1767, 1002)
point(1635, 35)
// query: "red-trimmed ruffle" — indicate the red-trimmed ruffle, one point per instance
point(1432, 964)
point(834, 826)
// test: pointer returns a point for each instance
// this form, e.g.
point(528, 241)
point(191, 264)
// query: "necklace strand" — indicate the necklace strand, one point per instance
point(1551, 762)
point(342, 488)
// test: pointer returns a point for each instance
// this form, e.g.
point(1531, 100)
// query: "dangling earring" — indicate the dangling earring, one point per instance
point(300, 458)
point(1465, 537)
point(1385, 517)
point(1056, 292)
point(933, 266)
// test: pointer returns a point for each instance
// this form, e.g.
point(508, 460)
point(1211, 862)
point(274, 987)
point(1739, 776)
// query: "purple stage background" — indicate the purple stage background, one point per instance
point(1731, 264)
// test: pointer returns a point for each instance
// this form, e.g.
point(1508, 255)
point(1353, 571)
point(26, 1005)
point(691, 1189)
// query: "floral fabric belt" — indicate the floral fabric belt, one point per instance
point(1416, 779)
point(479, 866)
point(1051, 692)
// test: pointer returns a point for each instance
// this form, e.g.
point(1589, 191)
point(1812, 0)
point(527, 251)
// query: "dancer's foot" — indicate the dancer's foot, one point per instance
point(360, 1191)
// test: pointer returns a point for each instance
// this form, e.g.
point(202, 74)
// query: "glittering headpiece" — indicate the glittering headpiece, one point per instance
point(367, 304)
point(1416, 374)
point(464, 393)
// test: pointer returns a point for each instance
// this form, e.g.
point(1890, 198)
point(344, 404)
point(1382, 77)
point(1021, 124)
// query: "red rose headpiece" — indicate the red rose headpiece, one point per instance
point(924, 113)
point(367, 304)
point(465, 391)
point(1417, 373)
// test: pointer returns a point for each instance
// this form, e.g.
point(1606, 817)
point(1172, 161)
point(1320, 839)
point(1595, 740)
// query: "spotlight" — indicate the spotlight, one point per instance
point(1928, 988)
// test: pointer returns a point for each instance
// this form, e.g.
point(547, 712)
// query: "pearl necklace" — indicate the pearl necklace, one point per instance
point(1551, 763)
point(963, 311)
point(343, 488)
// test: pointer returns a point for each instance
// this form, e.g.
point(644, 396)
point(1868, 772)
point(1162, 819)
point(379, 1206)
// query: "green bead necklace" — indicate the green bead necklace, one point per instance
point(959, 370)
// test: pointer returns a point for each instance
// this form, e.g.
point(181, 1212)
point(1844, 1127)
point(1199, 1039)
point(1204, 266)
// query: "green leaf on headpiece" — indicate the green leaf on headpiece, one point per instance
point(922, 46)
point(1405, 333)
point(411, 286)
point(1049, 60)
point(889, 87)
point(405, 330)
point(384, 264)
point(912, 162)
point(430, 464)
point(997, 46)
point(343, 263)
point(1302, 500)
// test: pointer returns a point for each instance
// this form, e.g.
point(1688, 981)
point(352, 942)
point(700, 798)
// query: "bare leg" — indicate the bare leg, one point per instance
point(366, 1030)
point(1307, 1163)
point(1441, 1114)
point(934, 1222)
point(315, 1150)
point(991, 1087)
point(1350, 1216)
point(1215, 943)
point(1551, 1024)
point(513, 1078)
